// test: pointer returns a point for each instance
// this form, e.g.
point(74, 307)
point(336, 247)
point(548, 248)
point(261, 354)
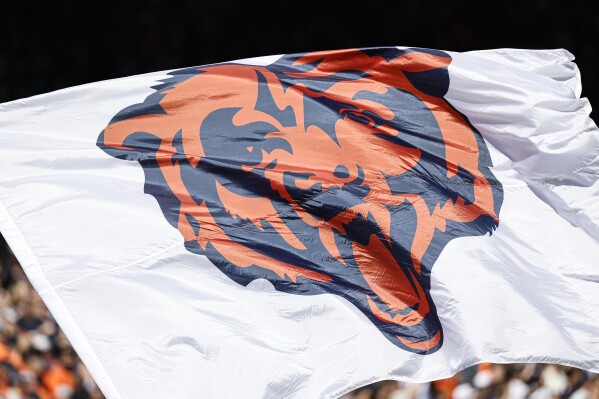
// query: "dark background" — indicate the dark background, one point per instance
point(55, 45)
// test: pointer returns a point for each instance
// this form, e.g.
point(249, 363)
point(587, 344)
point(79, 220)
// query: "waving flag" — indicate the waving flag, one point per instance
point(300, 225)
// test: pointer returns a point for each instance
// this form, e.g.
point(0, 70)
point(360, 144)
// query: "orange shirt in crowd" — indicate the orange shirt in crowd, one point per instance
point(446, 386)
point(56, 376)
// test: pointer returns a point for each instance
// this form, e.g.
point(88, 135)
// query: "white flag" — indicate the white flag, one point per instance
point(298, 226)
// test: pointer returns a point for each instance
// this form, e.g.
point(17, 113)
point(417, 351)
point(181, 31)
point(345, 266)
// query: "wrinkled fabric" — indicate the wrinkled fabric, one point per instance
point(104, 233)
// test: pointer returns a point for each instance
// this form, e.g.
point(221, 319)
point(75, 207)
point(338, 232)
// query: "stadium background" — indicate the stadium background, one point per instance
point(49, 46)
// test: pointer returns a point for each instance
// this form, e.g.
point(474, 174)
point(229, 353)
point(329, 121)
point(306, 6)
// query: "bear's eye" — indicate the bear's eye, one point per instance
point(358, 116)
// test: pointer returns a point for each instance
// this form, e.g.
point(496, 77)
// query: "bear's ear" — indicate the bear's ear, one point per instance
point(434, 82)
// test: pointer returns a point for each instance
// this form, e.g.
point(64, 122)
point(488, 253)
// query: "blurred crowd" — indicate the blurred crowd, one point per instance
point(493, 381)
point(37, 361)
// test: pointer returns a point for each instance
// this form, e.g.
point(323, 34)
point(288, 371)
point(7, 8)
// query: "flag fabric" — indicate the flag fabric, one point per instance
point(297, 226)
